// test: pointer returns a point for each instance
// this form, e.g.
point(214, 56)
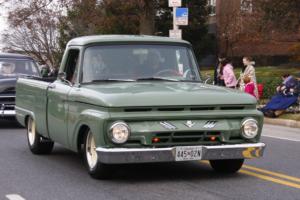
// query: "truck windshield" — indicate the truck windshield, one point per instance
point(139, 62)
point(15, 67)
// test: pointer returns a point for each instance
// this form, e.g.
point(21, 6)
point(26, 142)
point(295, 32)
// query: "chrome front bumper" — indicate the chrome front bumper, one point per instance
point(7, 110)
point(147, 155)
point(7, 113)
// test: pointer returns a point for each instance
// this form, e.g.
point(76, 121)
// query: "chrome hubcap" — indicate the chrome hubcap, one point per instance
point(31, 131)
point(91, 153)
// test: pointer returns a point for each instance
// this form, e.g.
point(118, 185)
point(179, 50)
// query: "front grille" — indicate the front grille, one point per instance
point(201, 108)
point(7, 107)
point(7, 100)
point(137, 109)
point(179, 109)
point(11, 90)
point(170, 109)
point(177, 138)
point(232, 108)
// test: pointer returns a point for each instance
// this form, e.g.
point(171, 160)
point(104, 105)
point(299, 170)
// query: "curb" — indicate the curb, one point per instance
point(283, 122)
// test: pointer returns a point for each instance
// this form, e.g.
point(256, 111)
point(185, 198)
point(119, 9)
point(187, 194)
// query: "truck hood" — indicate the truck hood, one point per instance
point(137, 94)
point(7, 85)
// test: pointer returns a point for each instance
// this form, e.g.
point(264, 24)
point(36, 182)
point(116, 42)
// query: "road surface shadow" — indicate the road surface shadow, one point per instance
point(167, 171)
point(9, 124)
point(146, 172)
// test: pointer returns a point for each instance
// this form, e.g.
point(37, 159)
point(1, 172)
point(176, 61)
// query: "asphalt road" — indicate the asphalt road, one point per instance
point(62, 175)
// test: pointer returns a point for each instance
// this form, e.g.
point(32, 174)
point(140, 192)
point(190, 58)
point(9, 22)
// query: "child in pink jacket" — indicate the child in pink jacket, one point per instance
point(249, 86)
point(228, 75)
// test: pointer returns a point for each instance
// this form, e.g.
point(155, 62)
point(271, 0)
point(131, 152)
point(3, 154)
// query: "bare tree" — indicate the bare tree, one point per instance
point(236, 24)
point(229, 27)
point(281, 20)
point(33, 30)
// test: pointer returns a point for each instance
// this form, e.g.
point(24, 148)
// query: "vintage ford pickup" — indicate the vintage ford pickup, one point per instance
point(138, 99)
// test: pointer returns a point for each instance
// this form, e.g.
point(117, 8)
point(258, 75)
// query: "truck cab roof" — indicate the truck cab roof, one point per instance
point(87, 40)
point(15, 55)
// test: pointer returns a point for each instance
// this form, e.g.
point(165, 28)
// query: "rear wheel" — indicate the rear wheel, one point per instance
point(96, 169)
point(37, 144)
point(227, 166)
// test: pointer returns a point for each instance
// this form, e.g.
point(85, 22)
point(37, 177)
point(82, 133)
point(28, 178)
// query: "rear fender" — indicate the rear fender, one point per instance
point(22, 115)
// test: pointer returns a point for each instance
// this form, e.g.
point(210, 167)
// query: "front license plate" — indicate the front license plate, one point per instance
point(188, 153)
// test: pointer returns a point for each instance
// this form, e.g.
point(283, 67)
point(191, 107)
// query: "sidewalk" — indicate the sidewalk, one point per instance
point(283, 122)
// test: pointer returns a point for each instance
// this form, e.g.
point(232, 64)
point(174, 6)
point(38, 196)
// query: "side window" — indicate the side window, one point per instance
point(247, 6)
point(72, 65)
point(212, 7)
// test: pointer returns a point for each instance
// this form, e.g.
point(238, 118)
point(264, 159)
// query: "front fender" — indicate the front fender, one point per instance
point(95, 120)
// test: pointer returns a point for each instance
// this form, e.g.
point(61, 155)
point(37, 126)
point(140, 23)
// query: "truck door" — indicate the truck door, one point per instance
point(58, 104)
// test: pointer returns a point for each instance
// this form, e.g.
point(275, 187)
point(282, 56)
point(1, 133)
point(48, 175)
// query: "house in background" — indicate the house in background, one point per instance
point(232, 20)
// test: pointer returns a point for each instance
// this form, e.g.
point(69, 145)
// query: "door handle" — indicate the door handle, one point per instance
point(52, 86)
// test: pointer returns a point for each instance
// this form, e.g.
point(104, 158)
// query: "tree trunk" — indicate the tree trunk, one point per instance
point(147, 18)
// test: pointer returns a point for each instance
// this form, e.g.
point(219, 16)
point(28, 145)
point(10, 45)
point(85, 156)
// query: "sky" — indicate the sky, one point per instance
point(3, 23)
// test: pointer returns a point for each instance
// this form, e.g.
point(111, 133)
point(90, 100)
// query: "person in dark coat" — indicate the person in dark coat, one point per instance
point(218, 73)
point(287, 95)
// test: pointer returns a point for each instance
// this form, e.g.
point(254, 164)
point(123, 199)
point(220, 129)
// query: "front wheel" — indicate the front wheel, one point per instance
point(37, 144)
point(96, 169)
point(227, 166)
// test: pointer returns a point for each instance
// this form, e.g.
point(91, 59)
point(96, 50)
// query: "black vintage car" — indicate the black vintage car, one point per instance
point(13, 66)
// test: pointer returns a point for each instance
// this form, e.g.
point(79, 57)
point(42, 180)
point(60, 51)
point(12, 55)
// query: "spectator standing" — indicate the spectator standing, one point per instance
point(248, 70)
point(228, 74)
point(218, 72)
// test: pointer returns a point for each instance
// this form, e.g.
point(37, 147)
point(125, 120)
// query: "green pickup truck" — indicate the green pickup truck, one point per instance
point(137, 99)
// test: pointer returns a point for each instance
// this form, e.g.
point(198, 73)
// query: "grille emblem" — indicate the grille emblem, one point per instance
point(210, 124)
point(190, 123)
point(168, 125)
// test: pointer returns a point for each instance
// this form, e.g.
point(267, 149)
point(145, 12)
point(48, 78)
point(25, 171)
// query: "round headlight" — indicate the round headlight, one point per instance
point(250, 128)
point(119, 132)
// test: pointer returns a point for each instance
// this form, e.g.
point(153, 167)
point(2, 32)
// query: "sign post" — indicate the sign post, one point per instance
point(180, 17)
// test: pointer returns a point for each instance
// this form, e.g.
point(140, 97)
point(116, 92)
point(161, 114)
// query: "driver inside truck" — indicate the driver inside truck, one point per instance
point(152, 64)
point(8, 68)
point(98, 68)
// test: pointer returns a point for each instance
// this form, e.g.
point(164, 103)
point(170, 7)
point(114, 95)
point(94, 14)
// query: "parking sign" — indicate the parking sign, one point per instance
point(174, 3)
point(177, 34)
point(182, 16)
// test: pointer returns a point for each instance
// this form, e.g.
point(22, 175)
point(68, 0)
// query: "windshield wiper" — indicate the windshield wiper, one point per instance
point(191, 81)
point(113, 80)
point(157, 79)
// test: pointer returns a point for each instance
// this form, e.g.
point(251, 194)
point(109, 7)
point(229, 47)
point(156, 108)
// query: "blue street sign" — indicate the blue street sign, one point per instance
point(182, 12)
point(182, 15)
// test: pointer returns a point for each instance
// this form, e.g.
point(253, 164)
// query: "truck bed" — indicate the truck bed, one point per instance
point(31, 97)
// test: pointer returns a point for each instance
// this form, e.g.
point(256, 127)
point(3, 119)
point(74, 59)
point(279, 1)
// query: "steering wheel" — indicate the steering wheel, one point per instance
point(187, 73)
point(167, 72)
